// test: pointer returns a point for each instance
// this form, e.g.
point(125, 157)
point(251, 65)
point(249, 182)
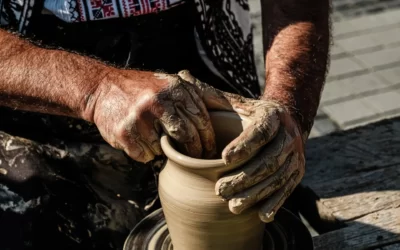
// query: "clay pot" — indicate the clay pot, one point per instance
point(197, 218)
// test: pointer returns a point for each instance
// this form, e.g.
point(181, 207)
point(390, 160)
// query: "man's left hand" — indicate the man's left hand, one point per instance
point(271, 176)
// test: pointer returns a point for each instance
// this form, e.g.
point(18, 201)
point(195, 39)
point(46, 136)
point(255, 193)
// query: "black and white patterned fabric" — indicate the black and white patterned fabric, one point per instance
point(225, 33)
point(223, 28)
point(18, 13)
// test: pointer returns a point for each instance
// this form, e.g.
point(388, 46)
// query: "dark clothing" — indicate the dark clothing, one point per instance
point(165, 41)
point(61, 185)
point(69, 196)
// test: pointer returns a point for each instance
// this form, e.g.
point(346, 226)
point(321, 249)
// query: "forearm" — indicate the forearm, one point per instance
point(296, 41)
point(44, 80)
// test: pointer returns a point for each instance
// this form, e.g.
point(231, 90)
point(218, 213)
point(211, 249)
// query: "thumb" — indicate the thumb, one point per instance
point(213, 98)
point(251, 139)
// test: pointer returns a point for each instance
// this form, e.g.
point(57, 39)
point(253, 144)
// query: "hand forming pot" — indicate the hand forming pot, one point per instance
point(197, 218)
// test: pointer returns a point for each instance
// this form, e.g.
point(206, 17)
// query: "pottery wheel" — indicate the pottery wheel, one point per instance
point(286, 232)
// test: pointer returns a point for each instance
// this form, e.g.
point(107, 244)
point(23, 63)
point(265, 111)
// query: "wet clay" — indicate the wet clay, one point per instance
point(197, 218)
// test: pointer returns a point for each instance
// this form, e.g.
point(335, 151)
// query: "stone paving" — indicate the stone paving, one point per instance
point(363, 84)
point(345, 9)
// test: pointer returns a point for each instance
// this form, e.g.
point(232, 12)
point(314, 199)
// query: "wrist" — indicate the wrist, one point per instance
point(95, 92)
point(282, 97)
point(287, 99)
point(112, 88)
point(290, 110)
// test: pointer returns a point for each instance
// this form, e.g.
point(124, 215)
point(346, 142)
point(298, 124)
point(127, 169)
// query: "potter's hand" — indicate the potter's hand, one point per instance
point(132, 108)
point(270, 177)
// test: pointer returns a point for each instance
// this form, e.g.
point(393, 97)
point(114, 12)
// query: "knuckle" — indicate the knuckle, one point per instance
point(176, 92)
point(179, 94)
point(121, 132)
point(179, 130)
point(174, 81)
point(149, 105)
point(125, 131)
point(184, 72)
point(193, 91)
point(153, 101)
point(148, 97)
point(187, 76)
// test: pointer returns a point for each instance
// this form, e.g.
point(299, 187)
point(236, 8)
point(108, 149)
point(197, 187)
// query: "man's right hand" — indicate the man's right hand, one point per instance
point(132, 108)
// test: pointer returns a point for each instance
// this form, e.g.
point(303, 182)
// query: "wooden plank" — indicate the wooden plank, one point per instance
point(356, 175)
point(390, 247)
point(355, 205)
point(374, 230)
point(349, 153)
point(361, 194)
point(356, 172)
point(382, 179)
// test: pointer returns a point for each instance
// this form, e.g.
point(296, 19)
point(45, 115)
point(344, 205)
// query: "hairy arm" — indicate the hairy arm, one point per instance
point(296, 43)
point(129, 107)
point(44, 80)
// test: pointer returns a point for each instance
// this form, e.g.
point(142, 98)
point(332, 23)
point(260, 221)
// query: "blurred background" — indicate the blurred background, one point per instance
point(363, 84)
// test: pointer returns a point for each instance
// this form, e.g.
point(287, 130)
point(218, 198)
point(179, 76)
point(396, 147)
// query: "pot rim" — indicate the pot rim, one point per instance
point(185, 160)
point(190, 162)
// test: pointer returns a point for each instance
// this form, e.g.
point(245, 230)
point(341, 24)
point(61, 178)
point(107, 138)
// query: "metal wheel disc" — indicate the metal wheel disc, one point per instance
point(286, 232)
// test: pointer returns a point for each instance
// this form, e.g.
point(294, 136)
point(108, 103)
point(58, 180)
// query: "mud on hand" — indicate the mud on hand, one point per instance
point(270, 177)
point(133, 108)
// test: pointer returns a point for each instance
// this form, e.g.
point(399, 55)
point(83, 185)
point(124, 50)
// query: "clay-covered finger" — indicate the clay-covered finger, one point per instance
point(274, 202)
point(264, 189)
point(139, 151)
point(143, 131)
point(136, 149)
point(252, 138)
point(194, 108)
point(193, 146)
point(212, 97)
point(216, 99)
point(183, 132)
point(127, 139)
point(266, 163)
point(149, 135)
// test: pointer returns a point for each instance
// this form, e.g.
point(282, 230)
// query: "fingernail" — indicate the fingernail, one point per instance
point(229, 155)
point(223, 189)
point(267, 217)
point(236, 206)
point(227, 161)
